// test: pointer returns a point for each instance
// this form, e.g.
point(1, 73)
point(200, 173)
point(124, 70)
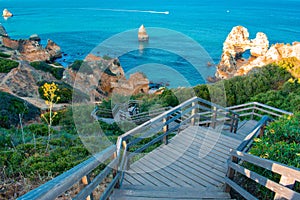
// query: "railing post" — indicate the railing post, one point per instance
point(236, 124)
point(214, 117)
point(232, 125)
point(86, 180)
point(115, 170)
point(126, 166)
point(194, 112)
point(253, 111)
point(230, 173)
point(287, 182)
point(262, 131)
point(165, 130)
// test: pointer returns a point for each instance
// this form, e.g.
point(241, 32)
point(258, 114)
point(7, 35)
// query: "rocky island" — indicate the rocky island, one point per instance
point(237, 43)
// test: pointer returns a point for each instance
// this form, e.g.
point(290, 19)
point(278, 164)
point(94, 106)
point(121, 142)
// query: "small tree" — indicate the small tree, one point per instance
point(51, 99)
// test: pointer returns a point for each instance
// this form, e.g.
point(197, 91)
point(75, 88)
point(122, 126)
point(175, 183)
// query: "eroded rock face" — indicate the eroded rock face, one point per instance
point(100, 78)
point(32, 50)
point(237, 43)
point(22, 81)
point(142, 34)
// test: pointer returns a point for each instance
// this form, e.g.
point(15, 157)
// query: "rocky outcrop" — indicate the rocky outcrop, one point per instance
point(233, 62)
point(3, 31)
point(137, 83)
point(31, 50)
point(6, 13)
point(100, 77)
point(35, 37)
point(142, 34)
point(22, 81)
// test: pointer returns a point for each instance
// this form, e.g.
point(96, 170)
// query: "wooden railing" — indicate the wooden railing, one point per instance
point(80, 173)
point(258, 109)
point(283, 189)
point(142, 117)
point(289, 175)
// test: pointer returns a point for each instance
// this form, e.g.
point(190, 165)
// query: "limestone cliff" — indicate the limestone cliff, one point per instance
point(31, 50)
point(233, 62)
point(100, 77)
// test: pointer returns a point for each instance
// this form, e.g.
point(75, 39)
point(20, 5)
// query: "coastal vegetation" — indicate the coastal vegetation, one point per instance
point(57, 72)
point(281, 143)
point(7, 65)
point(22, 145)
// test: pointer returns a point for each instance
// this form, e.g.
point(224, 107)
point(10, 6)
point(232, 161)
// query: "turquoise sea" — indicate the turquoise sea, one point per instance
point(79, 26)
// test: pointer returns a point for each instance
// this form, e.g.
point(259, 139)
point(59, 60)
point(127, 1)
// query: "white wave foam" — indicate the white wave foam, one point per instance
point(125, 10)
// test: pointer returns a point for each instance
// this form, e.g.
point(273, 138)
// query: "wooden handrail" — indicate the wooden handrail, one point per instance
point(289, 175)
point(65, 181)
point(255, 132)
point(255, 107)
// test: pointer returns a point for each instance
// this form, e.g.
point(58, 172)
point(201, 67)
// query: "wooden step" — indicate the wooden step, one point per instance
point(167, 193)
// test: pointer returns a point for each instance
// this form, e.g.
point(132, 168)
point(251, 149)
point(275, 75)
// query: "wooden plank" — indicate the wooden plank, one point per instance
point(145, 178)
point(211, 151)
point(145, 167)
point(131, 179)
point(279, 168)
point(192, 169)
point(177, 175)
point(271, 185)
point(205, 149)
point(177, 171)
point(168, 160)
point(210, 133)
point(163, 172)
point(198, 143)
point(239, 189)
point(209, 163)
point(171, 194)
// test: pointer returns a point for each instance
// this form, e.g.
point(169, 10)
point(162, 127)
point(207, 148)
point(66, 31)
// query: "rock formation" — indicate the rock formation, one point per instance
point(35, 37)
point(31, 50)
point(6, 13)
point(142, 34)
point(237, 43)
point(22, 81)
point(100, 78)
point(3, 32)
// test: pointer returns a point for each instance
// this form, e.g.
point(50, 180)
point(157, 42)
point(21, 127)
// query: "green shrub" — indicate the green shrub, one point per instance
point(12, 106)
point(4, 55)
point(83, 67)
point(37, 129)
point(57, 72)
point(7, 65)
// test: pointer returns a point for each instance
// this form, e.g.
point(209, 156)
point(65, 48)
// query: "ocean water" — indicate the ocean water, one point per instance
point(80, 26)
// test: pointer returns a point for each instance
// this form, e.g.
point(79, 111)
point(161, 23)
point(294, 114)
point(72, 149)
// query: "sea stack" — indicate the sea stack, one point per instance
point(142, 34)
point(6, 13)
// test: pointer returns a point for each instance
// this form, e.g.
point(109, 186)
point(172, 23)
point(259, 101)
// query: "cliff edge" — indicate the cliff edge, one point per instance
point(236, 62)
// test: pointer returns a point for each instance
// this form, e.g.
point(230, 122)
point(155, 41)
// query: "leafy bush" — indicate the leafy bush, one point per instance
point(83, 67)
point(57, 72)
point(7, 65)
point(241, 89)
point(4, 55)
point(12, 106)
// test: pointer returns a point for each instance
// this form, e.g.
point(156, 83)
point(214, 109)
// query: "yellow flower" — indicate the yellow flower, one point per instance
point(272, 131)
